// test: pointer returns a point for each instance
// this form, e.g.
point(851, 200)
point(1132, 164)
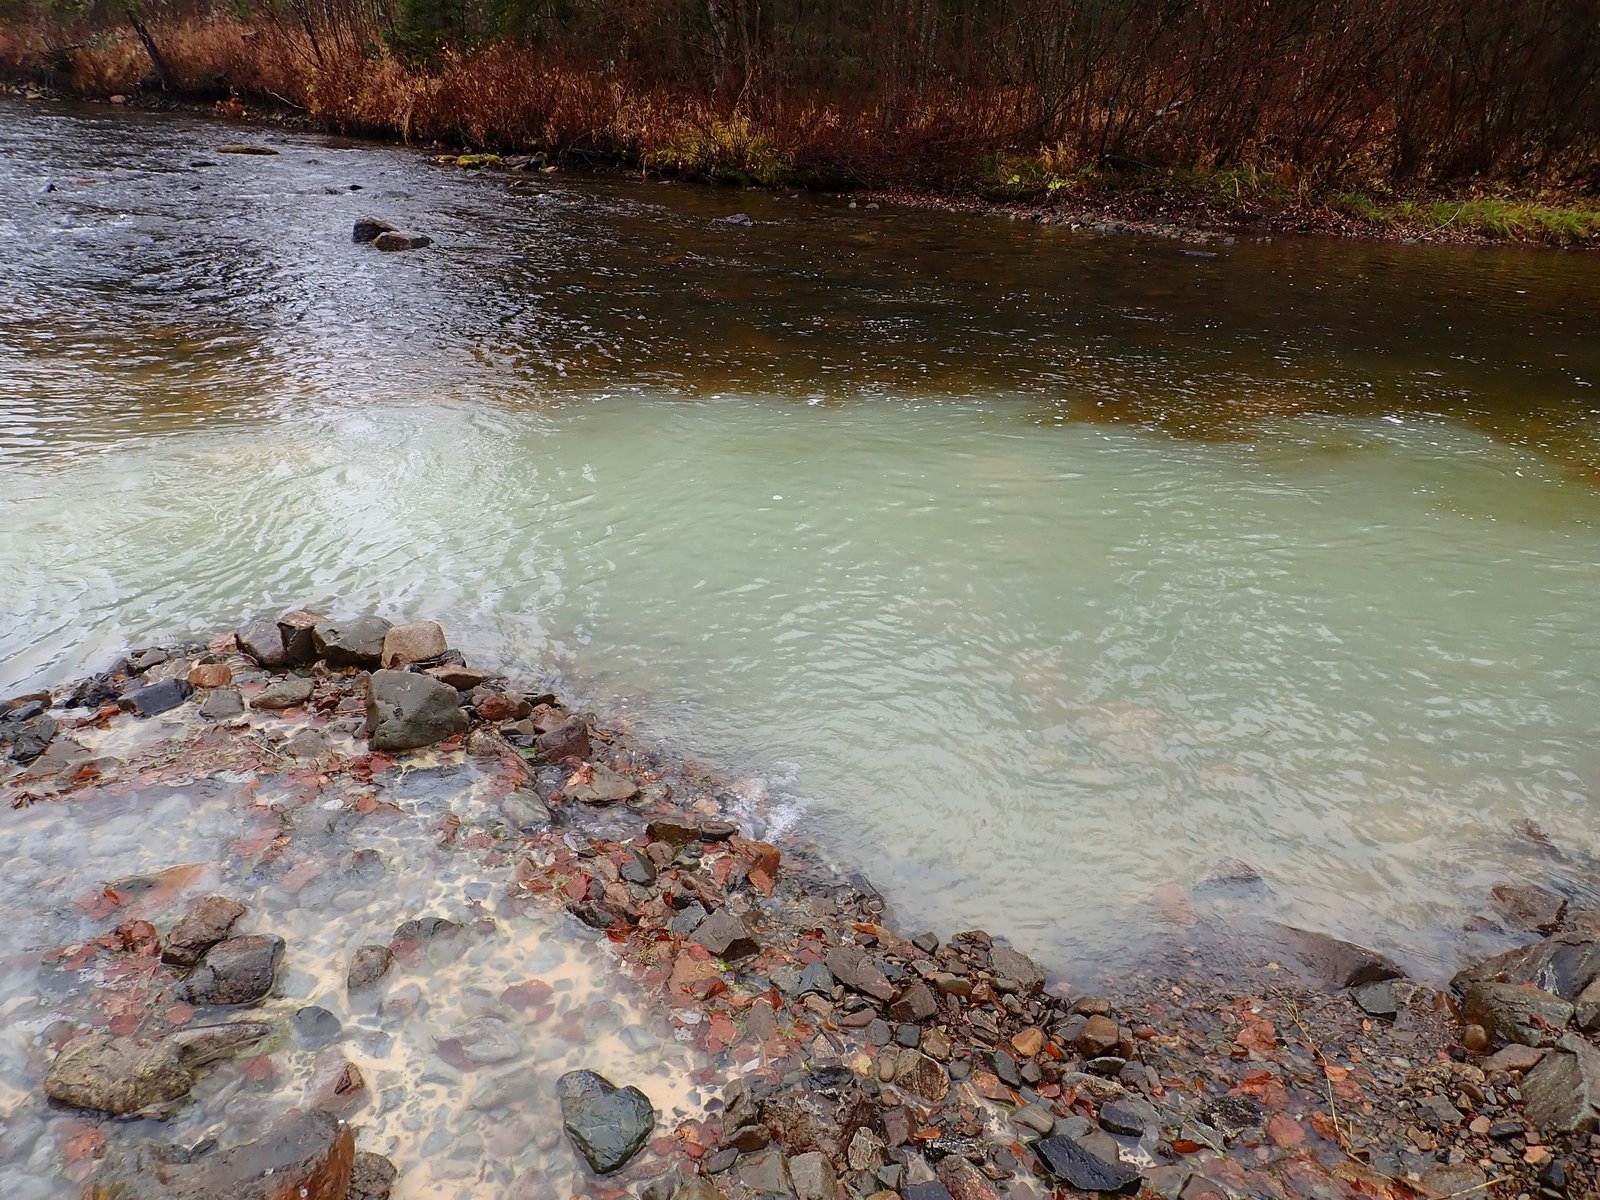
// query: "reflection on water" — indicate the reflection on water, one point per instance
point(1028, 570)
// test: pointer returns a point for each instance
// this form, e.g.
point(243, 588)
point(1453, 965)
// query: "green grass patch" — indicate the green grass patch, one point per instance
point(1510, 220)
point(722, 151)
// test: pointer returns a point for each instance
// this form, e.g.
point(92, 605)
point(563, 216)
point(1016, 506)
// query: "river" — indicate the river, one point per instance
point(1025, 570)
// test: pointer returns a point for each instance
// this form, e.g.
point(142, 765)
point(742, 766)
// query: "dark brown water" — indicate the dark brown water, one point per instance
point(1028, 570)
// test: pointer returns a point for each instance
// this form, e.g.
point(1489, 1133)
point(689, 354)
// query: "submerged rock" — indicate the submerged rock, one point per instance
point(406, 711)
point(222, 704)
point(305, 1156)
point(121, 1075)
point(263, 641)
point(368, 965)
point(157, 698)
point(596, 783)
point(1527, 906)
point(284, 693)
point(237, 970)
point(607, 1124)
point(205, 924)
point(371, 1177)
point(368, 228)
point(1076, 1165)
point(1563, 964)
point(1335, 963)
point(568, 740)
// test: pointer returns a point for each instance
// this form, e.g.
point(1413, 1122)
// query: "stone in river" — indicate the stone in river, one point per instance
point(1377, 999)
point(29, 738)
point(1527, 906)
point(222, 704)
point(481, 1042)
point(314, 1026)
point(299, 643)
point(1079, 1167)
point(1514, 1012)
point(916, 1003)
point(463, 679)
point(915, 1072)
point(413, 643)
point(368, 228)
point(245, 149)
point(525, 810)
point(406, 711)
point(306, 1155)
point(929, 1189)
point(857, 970)
point(157, 698)
point(1563, 964)
point(206, 923)
point(1335, 963)
point(596, 783)
point(120, 1075)
point(368, 965)
point(607, 1124)
point(284, 693)
point(1562, 1093)
point(395, 239)
point(766, 1173)
point(1011, 964)
point(263, 641)
point(237, 970)
point(568, 740)
point(371, 1176)
point(354, 643)
point(1098, 1037)
point(813, 1178)
point(210, 675)
point(725, 934)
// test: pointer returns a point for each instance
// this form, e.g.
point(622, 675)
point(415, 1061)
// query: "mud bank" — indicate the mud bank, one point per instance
point(364, 905)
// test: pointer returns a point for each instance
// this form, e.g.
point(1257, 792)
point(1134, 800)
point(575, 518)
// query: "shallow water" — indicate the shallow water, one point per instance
point(1024, 570)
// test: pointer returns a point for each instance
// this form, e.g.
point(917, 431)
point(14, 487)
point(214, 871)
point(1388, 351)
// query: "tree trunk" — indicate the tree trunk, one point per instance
point(156, 60)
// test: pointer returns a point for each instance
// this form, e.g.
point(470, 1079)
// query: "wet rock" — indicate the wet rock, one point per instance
point(354, 643)
point(1077, 1166)
point(284, 693)
point(1562, 1093)
point(421, 932)
point(481, 1042)
point(238, 970)
point(417, 642)
point(637, 868)
point(858, 971)
point(928, 1189)
point(462, 678)
point(1334, 963)
point(1527, 906)
point(157, 698)
point(368, 228)
point(141, 661)
point(406, 711)
point(698, 1188)
point(1377, 999)
point(246, 149)
point(915, 1072)
point(305, 1156)
point(368, 965)
point(206, 923)
point(916, 1003)
point(210, 675)
point(1011, 964)
point(1129, 1116)
point(607, 1124)
point(1587, 1007)
point(120, 1075)
point(1098, 1036)
point(223, 704)
point(91, 692)
point(1520, 1059)
point(813, 1178)
point(28, 738)
point(1513, 1012)
point(525, 810)
point(395, 239)
point(568, 740)
point(1562, 964)
point(725, 934)
point(372, 1177)
point(1436, 1112)
point(263, 641)
point(596, 783)
point(299, 644)
point(766, 1173)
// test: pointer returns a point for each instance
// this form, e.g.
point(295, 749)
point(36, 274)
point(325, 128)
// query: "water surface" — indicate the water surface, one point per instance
point(1025, 570)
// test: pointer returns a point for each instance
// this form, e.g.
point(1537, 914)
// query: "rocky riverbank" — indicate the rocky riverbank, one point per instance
point(458, 939)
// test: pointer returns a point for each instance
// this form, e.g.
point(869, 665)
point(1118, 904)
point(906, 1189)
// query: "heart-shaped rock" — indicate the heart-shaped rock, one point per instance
point(606, 1123)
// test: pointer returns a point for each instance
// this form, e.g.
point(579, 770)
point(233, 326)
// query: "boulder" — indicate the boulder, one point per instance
point(238, 970)
point(368, 228)
point(1529, 907)
point(28, 738)
point(263, 641)
point(395, 239)
point(121, 1075)
point(299, 645)
point(284, 693)
point(419, 641)
point(1562, 1093)
point(304, 1156)
point(1334, 963)
point(406, 711)
point(607, 1124)
point(353, 643)
point(157, 698)
point(1514, 1012)
point(1563, 964)
point(206, 923)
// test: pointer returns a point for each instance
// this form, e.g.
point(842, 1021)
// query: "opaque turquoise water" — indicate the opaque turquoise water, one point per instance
point(1024, 571)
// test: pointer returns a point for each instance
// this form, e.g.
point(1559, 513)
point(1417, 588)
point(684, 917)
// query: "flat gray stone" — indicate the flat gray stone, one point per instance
point(406, 711)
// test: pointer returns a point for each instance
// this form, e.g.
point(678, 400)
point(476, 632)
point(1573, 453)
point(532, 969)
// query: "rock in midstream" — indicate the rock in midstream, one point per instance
point(406, 711)
point(606, 1123)
point(237, 970)
point(305, 1156)
point(206, 923)
point(354, 643)
point(120, 1075)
